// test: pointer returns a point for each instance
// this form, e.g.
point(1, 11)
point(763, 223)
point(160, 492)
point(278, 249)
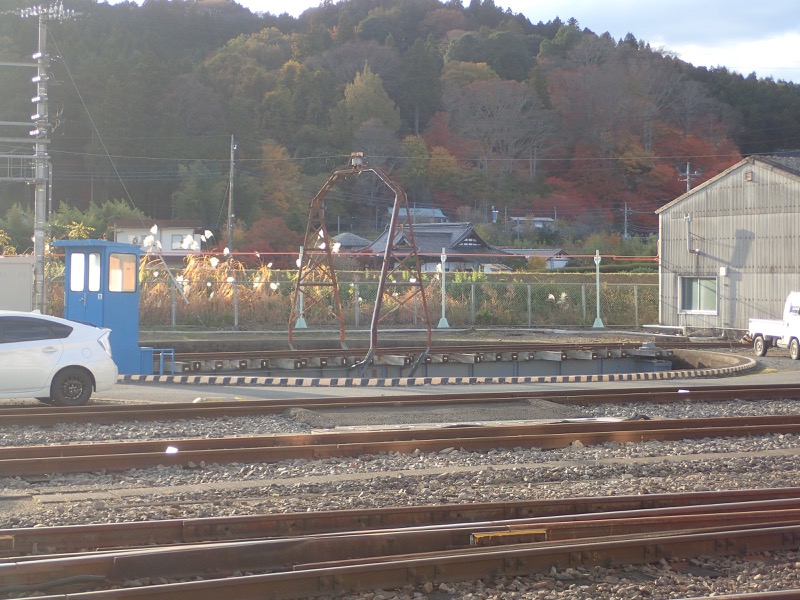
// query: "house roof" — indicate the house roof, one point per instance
point(789, 164)
point(146, 223)
point(533, 219)
point(427, 213)
point(789, 161)
point(351, 240)
point(541, 252)
point(458, 238)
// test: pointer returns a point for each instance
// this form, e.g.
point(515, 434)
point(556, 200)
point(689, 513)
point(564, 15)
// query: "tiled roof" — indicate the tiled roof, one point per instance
point(788, 161)
point(543, 252)
point(147, 223)
point(458, 238)
point(351, 240)
point(428, 213)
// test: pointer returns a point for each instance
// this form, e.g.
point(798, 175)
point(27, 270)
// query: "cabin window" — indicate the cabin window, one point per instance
point(77, 277)
point(122, 272)
point(699, 294)
point(94, 272)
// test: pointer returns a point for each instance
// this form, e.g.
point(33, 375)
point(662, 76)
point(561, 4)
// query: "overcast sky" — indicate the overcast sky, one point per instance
point(746, 36)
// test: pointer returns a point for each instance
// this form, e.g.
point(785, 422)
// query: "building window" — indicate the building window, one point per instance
point(699, 294)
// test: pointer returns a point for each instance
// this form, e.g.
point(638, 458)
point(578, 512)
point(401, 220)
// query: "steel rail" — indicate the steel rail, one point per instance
point(385, 559)
point(748, 425)
point(118, 456)
point(793, 594)
point(453, 348)
point(72, 538)
point(295, 553)
point(105, 414)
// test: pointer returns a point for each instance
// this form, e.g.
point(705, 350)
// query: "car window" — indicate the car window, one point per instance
point(24, 329)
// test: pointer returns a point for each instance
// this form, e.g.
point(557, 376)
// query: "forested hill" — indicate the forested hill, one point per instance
point(469, 108)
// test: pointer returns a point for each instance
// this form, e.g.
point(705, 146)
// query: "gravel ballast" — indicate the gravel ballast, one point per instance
point(450, 476)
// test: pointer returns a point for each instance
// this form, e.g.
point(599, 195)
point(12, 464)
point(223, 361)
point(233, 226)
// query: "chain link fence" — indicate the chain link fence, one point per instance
point(266, 305)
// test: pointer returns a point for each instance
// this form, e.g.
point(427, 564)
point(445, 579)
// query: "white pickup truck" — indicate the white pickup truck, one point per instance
point(785, 333)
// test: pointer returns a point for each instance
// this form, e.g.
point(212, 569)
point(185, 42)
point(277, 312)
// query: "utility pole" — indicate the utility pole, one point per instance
point(35, 168)
point(625, 233)
point(230, 196)
point(689, 176)
point(41, 162)
point(40, 135)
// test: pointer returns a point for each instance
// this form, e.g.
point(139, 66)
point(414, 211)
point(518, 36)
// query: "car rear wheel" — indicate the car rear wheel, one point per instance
point(71, 387)
point(794, 349)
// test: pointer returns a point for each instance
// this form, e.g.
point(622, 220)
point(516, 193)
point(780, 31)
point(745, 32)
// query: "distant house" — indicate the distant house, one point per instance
point(418, 215)
point(350, 242)
point(176, 238)
point(526, 224)
point(464, 248)
point(554, 257)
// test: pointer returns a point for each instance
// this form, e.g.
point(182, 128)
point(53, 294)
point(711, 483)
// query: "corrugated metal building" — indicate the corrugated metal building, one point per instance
point(730, 248)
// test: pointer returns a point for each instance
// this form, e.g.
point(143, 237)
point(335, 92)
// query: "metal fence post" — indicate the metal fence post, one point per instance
point(472, 303)
point(635, 305)
point(357, 304)
point(583, 301)
point(530, 308)
point(173, 306)
point(235, 303)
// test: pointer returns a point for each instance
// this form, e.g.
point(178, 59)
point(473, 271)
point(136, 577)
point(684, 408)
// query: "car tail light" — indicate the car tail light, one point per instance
point(104, 341)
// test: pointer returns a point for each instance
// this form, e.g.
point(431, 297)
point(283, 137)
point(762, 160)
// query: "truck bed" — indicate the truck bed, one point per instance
point(766, 328)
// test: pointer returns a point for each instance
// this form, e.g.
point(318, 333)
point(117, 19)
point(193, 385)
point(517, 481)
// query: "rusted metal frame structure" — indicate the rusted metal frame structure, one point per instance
point(317, 270)
point(397, 263)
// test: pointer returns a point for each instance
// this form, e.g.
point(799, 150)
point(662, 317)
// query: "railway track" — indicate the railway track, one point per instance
point(38, 541)
point(329, 553)
point(342, 552)
point(187, 360)
point(453, 348)
point(106, 414)
point(121, 456)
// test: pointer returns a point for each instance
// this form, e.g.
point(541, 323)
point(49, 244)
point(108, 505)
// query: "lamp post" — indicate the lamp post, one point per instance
point(300, 323)
point(443, 324)
point(598, 322)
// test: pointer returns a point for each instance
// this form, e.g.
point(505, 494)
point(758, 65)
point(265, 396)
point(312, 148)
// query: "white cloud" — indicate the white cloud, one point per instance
point(742, 36)
point(759, 56)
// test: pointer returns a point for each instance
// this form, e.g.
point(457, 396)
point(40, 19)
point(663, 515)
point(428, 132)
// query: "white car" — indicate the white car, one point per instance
point(54, 360)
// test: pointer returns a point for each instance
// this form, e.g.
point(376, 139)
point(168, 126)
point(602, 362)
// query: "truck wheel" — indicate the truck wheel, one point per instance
point(759, 346)
point(794, 349)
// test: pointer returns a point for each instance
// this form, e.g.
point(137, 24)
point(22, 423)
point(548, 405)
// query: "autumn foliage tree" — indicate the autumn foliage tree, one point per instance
point(468, 106)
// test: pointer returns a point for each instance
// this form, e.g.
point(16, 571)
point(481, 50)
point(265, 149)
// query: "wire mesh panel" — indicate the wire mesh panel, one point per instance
point(267, 306)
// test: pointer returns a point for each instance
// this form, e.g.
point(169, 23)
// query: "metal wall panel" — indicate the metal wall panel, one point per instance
point(748, 225)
